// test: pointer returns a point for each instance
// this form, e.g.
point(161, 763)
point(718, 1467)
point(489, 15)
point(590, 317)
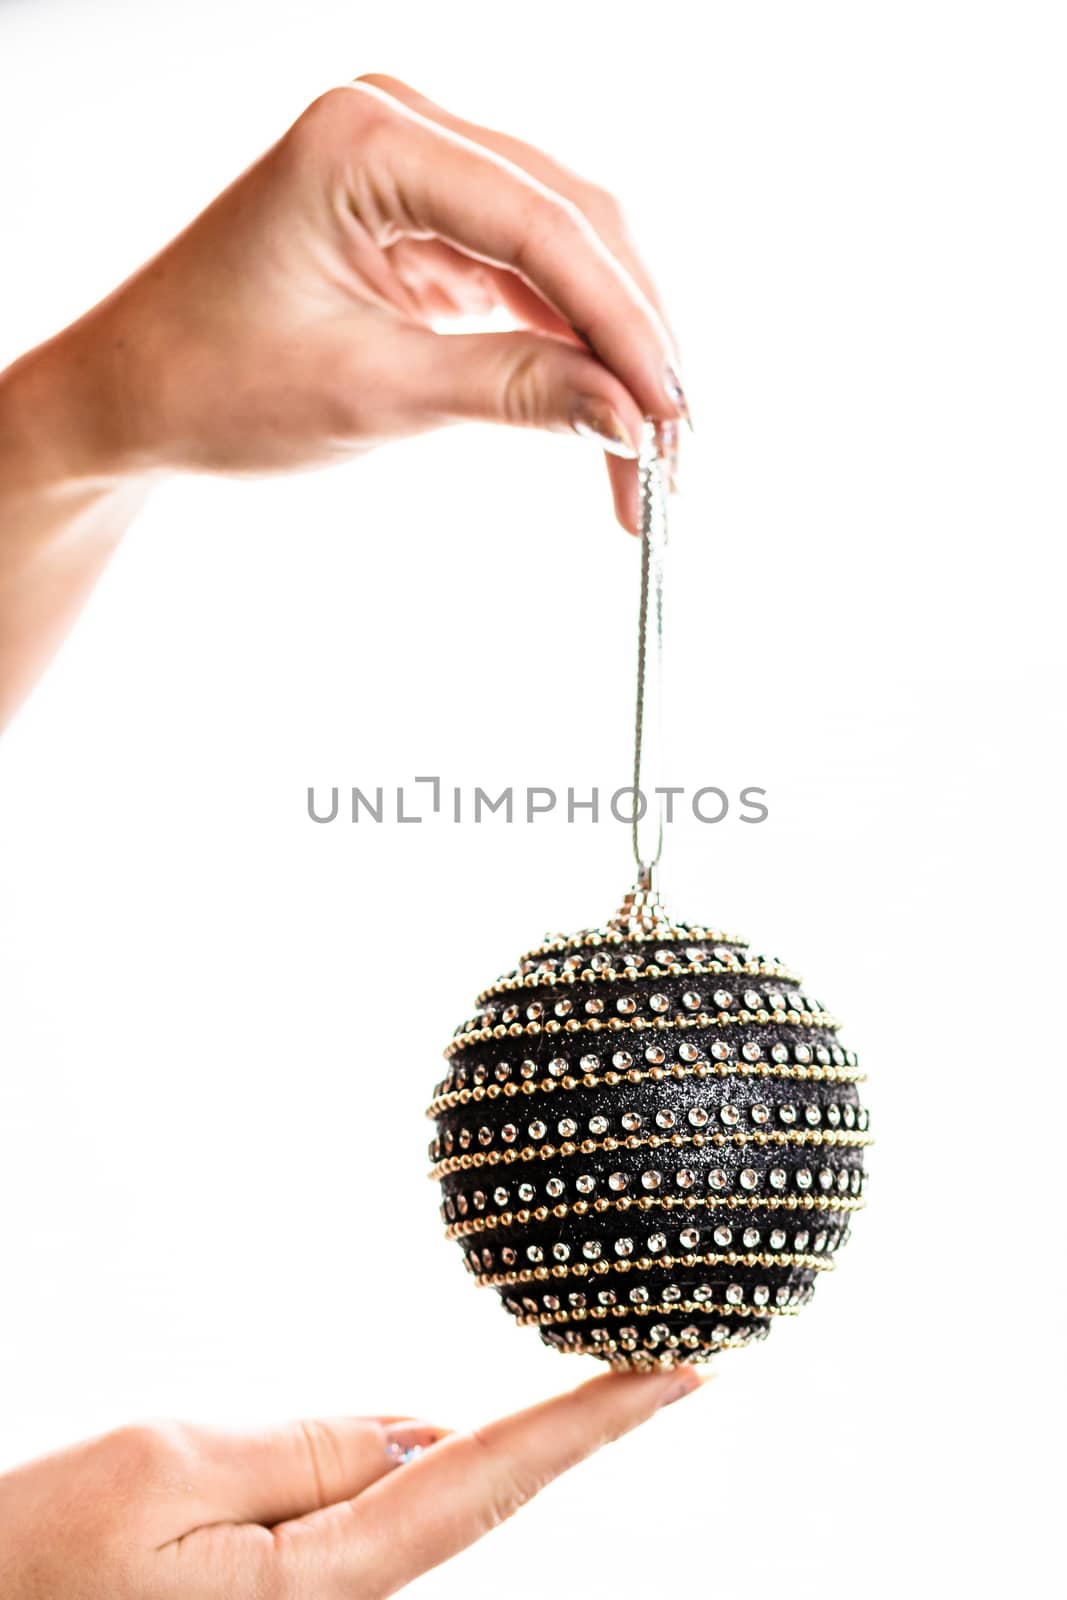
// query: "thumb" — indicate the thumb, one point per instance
point(527, 380)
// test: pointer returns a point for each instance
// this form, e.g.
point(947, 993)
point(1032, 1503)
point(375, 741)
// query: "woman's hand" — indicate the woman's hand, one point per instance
point(294, 323)
point(315, 1510)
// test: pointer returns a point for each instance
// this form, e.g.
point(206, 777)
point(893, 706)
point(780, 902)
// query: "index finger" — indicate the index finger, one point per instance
point(470, 1483)
point(433, 181)
point(600, 208)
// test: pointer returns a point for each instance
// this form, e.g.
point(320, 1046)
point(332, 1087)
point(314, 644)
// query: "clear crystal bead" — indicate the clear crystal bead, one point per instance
point(657, 1242)
point(631, 1121)
point(618, 1181)
point(723, 1236)
point(651, 1179)
point(690, 1238)
point(697, 1116)
point(585, 1184)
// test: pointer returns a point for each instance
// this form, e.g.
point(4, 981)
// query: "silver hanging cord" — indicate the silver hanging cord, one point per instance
point(648, 722)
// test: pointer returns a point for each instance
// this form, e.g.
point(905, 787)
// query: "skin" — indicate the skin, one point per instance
point(295, 323)
point(325, 1510)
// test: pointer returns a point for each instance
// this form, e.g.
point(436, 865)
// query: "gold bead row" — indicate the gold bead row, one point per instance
point(494, 1221)
point(682, 969)
point(598, 938)
point(582, 1269)
point(688, 1308)
point(471, 1160)
point(678, 1071)
point(678, 1023)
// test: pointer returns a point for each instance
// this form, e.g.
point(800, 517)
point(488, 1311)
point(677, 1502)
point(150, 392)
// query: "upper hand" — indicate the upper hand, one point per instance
point(294, 321)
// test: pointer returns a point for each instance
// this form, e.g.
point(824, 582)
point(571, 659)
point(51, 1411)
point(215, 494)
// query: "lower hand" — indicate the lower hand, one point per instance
point(321, 1510)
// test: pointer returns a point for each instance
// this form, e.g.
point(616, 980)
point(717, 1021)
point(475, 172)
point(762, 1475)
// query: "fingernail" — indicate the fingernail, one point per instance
point(668, 444)
point(672, 385)
point(594, 419)
point(687, 1381)
point(406, 1441)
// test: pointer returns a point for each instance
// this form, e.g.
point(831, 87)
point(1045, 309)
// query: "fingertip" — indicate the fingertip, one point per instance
point(623, 478)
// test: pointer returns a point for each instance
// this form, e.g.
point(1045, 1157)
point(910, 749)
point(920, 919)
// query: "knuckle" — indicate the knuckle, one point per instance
point(347, 111)
point(600, 205)
point(147, 1448)
point(524, 389)
point(325, 1459)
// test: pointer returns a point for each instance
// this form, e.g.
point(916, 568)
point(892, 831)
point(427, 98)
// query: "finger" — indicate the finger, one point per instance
point(430, 180)
point(622, 476)
point(601, 208)
point(467, 1485)
point(522, 379)
point(286, 1471)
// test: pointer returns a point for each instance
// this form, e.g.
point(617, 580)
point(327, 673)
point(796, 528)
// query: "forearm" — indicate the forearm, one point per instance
point(66, 498)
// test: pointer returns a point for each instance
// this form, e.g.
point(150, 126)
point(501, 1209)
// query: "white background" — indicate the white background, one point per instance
point(857, 215)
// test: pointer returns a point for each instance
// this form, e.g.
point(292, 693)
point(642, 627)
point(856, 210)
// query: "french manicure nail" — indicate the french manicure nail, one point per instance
point(672, 385)
point(594, 419)
point(406, 1441)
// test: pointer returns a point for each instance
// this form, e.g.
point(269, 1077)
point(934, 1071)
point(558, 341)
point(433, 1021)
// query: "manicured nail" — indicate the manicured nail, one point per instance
point(687, 1381)
point(672, 385)
point(594, 419)
point(406, 1441)
point(668, 444)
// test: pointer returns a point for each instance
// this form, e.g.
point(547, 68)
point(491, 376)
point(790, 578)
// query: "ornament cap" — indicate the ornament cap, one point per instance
point(642, 910)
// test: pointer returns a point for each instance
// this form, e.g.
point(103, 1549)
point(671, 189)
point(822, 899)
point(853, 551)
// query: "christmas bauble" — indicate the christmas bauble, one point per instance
point(649, 1140)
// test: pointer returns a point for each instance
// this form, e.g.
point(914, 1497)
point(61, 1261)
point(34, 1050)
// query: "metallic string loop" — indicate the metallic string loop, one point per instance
point(648, 721)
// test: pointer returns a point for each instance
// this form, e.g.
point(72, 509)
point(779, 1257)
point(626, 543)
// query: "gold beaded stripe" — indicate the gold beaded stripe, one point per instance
point(581, 1269)
point(697, 1069)
point(600, 938)
point(494, 1221)
point(652, 1141)
point(758, 968)
point(679, 1023)
point(688, 1308)
point(649, 1358)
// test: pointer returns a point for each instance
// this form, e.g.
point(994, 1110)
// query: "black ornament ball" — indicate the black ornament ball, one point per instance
point(649, 1140)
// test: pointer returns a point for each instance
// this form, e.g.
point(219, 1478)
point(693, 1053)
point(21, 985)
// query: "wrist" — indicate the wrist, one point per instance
point(65, 418)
